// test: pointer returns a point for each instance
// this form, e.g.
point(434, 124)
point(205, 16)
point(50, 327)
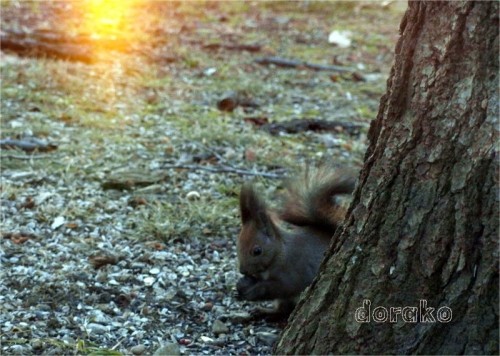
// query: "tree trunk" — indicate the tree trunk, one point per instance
point(422, 230)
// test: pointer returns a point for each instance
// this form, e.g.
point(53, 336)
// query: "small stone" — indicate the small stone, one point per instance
point(219, 309)
point(207, 306)
point(18, 350)
point(59, 221)
point(105, 307)
point(8, 306)
point(125, 277)
point(239, 317)
point(148, 281)
point(68, 340)
point(168, 349)
point(102, 276)
point(219, 327)
point(210, 71)
point(176, 333)
point(40, 198)
point(170, 294)
point(55, 351)
point(44, 307)
point(138, 349)
point(138, 265)
point(193, 195)
point(215, 256)
point(206, 339)
point(36, 344)
point(266, 338)
point(97, 328)
point(154, 271)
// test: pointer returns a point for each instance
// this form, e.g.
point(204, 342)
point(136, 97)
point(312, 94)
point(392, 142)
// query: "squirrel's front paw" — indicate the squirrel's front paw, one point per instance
point(270, 315)
point(248, 288)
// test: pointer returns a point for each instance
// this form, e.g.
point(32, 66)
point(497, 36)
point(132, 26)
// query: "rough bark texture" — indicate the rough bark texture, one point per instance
point(424, 221)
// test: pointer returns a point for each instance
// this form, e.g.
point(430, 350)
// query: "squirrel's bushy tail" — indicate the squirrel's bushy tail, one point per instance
point(311, 200)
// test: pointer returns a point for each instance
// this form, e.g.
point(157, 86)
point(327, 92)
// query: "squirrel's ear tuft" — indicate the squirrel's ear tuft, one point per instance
point(250, 203)
point(253, 208)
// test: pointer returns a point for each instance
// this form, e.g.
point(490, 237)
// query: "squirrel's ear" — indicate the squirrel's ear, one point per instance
point(250, 204)
point(266, 224)
point(253, 208)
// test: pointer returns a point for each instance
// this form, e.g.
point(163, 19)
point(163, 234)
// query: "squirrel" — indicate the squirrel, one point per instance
point(278, 263)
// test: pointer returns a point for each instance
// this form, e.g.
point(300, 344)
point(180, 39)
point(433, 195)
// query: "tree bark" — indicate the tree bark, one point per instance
point(423, 224)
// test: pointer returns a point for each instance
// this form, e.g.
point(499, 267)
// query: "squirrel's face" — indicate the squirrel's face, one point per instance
point(259, 241)
point(258, 248)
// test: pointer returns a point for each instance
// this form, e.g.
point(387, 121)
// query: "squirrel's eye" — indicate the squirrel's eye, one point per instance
point(257, 250)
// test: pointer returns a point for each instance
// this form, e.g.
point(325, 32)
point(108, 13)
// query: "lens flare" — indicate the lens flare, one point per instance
point(107, 18)
point(111, 25)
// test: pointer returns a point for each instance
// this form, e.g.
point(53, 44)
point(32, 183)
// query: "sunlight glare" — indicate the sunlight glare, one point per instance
point(107, 18)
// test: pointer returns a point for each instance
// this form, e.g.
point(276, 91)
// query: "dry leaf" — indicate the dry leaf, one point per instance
point(18, 238)
point(71, 225)
point(103, 260)
point(250, 155)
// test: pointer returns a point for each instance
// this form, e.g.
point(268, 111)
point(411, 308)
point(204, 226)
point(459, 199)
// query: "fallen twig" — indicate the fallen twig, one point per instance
point(235, 47)
point(224, 170)
point(300, 125)
point(57, 45)
point(292, 63)
point(217, 155)
point(34, 48)
point(27, 144)
point(132, 178)
point(26, 158)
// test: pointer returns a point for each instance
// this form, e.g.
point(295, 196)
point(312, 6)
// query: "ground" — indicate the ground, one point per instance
point(120, 238)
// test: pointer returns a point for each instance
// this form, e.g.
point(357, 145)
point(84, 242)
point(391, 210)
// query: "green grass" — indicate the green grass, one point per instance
point(130, 111)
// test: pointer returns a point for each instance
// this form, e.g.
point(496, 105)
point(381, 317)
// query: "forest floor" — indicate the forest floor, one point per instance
point(118, 231)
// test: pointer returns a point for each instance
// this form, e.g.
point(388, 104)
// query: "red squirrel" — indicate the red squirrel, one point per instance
point(278, 263)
